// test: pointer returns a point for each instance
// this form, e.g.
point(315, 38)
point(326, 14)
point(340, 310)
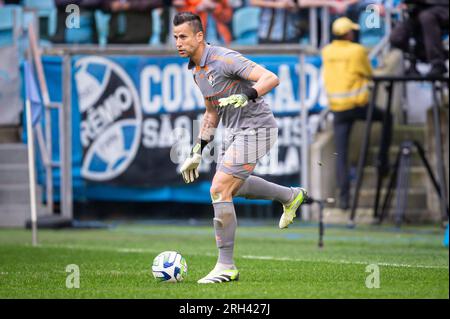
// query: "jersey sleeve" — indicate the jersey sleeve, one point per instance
point(236, 65)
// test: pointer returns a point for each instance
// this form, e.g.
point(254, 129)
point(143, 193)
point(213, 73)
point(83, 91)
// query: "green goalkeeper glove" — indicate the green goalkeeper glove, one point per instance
point(239, 100)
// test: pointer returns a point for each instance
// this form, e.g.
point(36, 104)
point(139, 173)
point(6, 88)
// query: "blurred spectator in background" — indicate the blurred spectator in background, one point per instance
point(86, 6)
point(131, 20)
point(215, 15)
point(347, 72)
point(280, 20)
point(426, 22)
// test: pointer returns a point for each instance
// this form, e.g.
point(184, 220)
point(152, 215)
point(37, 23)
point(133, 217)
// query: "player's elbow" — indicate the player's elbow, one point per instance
point(274, 79)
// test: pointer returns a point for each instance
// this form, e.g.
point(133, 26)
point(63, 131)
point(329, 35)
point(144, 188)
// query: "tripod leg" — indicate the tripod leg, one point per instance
point(428, 167)
point(392, 181)
point(383, 154)
point(363, 154)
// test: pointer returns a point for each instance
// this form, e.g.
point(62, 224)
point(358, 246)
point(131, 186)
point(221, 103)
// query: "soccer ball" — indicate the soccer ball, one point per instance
point(169, 266)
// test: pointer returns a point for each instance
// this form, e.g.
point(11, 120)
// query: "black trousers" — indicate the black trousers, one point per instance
point(343, 123)
point(426, 26)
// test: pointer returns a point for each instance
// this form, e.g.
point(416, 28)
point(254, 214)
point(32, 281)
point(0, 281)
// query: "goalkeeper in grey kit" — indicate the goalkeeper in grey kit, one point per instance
point(232, 87)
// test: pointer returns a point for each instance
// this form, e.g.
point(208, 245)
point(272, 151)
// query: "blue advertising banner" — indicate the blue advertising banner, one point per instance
point(134, 118)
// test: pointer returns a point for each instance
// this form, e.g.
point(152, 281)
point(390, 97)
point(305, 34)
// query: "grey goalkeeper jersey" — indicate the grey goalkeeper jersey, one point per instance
point(223, 72)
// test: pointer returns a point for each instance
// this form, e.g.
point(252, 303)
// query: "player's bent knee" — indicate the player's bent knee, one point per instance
point(215, 192)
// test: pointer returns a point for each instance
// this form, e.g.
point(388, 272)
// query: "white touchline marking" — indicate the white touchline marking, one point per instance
point(341, 261)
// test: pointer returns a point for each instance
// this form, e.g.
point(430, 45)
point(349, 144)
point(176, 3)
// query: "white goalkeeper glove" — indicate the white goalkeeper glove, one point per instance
point(189, 169)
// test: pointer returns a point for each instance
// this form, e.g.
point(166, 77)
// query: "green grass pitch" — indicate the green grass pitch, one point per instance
point(274, 263)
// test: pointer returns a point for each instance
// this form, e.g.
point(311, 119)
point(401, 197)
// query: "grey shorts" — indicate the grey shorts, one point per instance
point(241, 150)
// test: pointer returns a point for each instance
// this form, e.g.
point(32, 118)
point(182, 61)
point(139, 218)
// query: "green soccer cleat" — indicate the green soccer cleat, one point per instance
point(219, 276)
point(290, 209)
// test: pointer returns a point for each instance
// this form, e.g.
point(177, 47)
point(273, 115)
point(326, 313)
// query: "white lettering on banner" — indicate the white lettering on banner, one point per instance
point(165, 133)
point(111, 117)
point(289, 131)
point(98, 118)
point(182, 137)
point(151, 103)
point(178, 89)
point(180, 93)
point(171, 87)
point(290, 137)
point(313, 79)
point(272, 164)
point(161, 134)
point(181, 125)
point(284, 93)
point(150, 133)
point(158, 133)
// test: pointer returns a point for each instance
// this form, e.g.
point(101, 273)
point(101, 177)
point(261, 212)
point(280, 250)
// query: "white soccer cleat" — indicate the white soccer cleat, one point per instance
point(290, 209)
point(219, 276)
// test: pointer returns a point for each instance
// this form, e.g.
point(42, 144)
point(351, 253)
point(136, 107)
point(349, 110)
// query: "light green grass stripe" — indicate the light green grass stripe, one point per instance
point(255, 257)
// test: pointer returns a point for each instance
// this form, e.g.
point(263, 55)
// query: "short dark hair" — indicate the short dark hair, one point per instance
point(191, 18)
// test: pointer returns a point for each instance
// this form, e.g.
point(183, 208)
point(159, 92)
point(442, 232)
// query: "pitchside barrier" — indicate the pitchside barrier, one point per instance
point(125, 106)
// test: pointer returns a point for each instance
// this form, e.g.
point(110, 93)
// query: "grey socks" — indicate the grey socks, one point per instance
point(225, 224)
point(257, 188)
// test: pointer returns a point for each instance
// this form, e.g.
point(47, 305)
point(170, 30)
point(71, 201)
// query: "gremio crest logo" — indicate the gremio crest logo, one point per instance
point(111, 118)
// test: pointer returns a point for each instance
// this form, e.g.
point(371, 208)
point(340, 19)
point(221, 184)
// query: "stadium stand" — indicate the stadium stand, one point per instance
point(245, 25)
point(47, 13)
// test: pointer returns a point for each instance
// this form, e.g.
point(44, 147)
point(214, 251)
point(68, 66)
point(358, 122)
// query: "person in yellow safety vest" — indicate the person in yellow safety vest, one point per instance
point(346, 73)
